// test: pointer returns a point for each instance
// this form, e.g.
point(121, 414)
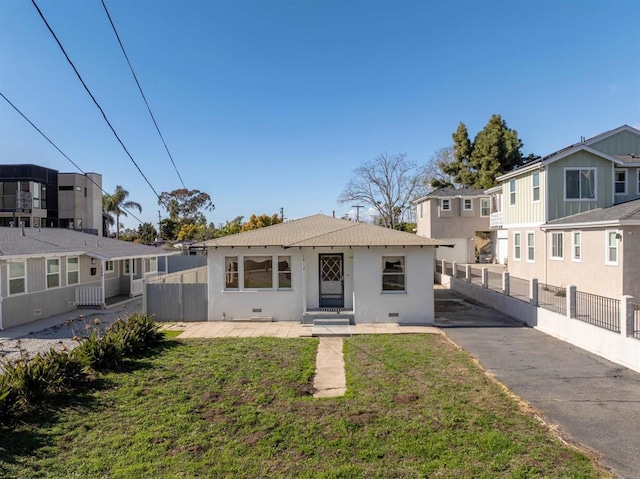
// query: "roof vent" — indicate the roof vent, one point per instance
point(22, 228)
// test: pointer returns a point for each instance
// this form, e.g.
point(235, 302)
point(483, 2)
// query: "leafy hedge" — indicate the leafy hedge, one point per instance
point(27, 382)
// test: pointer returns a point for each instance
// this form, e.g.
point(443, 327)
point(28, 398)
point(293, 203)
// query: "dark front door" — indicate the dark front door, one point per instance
point(331, 281)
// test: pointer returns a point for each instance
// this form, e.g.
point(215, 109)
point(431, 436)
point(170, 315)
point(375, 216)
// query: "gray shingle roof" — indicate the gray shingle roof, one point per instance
point(52, 241)
point(321, 230)
point(627, 211)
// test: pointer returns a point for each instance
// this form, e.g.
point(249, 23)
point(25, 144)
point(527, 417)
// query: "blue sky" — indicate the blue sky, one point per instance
point(268, 104)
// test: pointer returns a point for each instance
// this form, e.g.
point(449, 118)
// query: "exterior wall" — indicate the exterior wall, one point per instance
point(462, 252)
point(416, 305)
point(84, 202)
point(525, 211)
point(424, 220)
point(558, 207)
point(633, 185)
point(631, 266)
point(312, 265)
point(524, 268)
point(622, 143)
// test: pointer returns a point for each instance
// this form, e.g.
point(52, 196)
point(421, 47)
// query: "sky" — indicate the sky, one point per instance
point(273, 104)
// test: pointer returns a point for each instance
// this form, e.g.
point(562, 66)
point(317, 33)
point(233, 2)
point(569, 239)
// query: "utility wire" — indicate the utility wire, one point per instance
point(92, 97)
point(142, 93)
point(62, 153)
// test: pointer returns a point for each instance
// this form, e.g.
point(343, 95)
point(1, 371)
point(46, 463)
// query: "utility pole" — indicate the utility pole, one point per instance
point(159, 225)
point(282, 214)
point(357, 207)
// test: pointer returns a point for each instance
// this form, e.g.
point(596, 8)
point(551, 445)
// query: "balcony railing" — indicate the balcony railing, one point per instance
point(496, 220)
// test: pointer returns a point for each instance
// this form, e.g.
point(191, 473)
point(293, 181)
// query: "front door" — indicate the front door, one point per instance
point(331, 281)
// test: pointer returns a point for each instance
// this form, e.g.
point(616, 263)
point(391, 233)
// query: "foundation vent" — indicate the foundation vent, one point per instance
point(256, 310)
point(394, 315)
point(37, 312)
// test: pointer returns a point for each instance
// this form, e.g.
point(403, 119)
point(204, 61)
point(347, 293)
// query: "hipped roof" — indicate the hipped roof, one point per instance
point(321, 230)
point(61, 241)
point(620, 214)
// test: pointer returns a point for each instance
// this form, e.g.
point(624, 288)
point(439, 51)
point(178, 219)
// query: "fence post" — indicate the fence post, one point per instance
point(181, 297)
point(571, 301)
point(467, 273)
point(444, 266)
point(533, 292)
point(626, 316)
point(485, 278)
point(145, 297)
point(505, 283)
point(454, 268)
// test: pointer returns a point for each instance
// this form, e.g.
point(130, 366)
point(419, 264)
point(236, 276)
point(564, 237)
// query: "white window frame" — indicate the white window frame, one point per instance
point(557, 250)
point(534, 187)
point(404, 273)
point(595, 183)
point(616, 182)
point(464, 204)
point(517, 246)
point(47, 273)
point(69, 270)
point(576, 244)
point(130, 266)
point(228, 275)
point(531, 247)
point(23, 277)
point(512, 192)
point(608, 247)
point(448, 203)
point(244, 259)
point(288, 271)
point(109, 267)
point(485, 204)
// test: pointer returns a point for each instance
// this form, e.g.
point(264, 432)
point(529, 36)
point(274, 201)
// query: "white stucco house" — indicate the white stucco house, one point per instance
point(289, 271)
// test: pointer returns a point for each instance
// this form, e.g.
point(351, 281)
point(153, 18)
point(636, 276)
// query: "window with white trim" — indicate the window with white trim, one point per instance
point(512, 192)
point(557, 245)
point(517, 245)
point(393, 273)
point(580, 184)
point(485, 206)
point(73, 270)
point(53, 273)
point(467, 204)
point(620, 182)
point(284, 272)
point(535, 188)
point(150, 265)
point(445, 205)
point(258, 272)
point(576, 246)
point(130, 266)
point(611, 252)
point(109, 266)
point(231, 272)
point(17, 277)
point(531, 246)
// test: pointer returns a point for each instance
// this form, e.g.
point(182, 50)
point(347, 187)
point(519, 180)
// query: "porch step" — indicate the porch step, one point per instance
point(310, 317)
point(331, 322)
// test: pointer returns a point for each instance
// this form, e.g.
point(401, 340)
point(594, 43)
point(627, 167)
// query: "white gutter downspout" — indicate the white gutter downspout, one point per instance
point(304, 285)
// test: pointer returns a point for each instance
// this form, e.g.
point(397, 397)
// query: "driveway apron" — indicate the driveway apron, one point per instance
point(594, 402)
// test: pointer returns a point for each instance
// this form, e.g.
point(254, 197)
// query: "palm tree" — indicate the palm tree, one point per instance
point(116, 204)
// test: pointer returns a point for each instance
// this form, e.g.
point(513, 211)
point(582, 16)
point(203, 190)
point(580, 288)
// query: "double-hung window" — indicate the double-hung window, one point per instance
point(445, 205)
point(109, 266)
point(611, 251)
point(531, 246)
point(517, 246)
point(576, 246)
point(17, 277)
point(284, 272)
point(467, 204)
point(53, 273)
point(485, 206)
point(231, 272)
point(580, 184)
point(73, 270)
point(535, 189)
point(393, 273)
point(620, 182)
point(512, 192)
point(557, 245)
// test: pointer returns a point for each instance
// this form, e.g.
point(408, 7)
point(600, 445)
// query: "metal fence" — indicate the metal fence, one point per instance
point(553, 298)
point(476, 276)
point(636, 320)
point(438, 266)
point(598, 310)
point(519, 288)
point(494, 281)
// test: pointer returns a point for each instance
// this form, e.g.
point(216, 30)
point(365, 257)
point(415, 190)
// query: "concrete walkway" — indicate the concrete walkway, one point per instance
point(330, 380)
point(593, 401)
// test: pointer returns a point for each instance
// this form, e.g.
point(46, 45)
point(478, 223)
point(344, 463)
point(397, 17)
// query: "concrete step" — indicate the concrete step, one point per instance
point(254, 319)
point(324, 331)
point(311, 316)
point(331, 321)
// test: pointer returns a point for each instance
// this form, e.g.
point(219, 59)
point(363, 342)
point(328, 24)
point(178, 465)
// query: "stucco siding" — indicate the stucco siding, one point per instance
point(631, 251)
point(622, 143)
point(525, 210)
point(459, 223)
point(462, 251)
point(524, 268)
point(312, 265)
point(558, 207)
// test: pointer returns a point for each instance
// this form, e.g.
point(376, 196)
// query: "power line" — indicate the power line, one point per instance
point(92, 97)
point(142, 93)
point(62, 153)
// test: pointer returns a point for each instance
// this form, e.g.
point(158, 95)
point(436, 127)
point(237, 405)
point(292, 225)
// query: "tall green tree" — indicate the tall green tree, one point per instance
point(495, 150)
point(261, 221)
point(117, 204)
point(186, 206)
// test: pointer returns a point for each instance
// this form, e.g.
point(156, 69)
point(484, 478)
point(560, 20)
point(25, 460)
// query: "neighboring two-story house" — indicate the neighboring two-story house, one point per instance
point(454, 216)
point(573, 217)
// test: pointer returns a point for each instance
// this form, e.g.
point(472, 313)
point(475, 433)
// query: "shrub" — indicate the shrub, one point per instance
point(8, 397)
point(146, 329)
point(100, 354)
point(33, 379)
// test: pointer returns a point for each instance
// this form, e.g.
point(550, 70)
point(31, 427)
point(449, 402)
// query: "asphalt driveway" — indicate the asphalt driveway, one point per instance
point(594, 402)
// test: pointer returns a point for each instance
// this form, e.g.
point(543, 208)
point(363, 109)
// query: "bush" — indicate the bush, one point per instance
point(34, 379)
point(146, 329)
point(8, 397)
point(100, 354)
point(136, 334)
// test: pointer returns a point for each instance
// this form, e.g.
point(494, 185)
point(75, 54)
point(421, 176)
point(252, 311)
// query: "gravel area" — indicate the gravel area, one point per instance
point(64, 335)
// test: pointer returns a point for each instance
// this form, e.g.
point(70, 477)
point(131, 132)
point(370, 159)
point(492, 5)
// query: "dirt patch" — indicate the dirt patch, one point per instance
point(210, 396)
point(252, 439)
point(214, 415)
point(405, 398)
point(305, 390)
point(362, 418)
point(243, 381)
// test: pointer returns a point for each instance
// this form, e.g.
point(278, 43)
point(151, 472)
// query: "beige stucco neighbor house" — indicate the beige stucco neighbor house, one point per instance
point(572, 216)
point(453, 215)
point(48, 271)
point(293, 270)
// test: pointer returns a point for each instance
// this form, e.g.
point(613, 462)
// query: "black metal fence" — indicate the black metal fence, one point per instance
point(519, 289)
point(494, 281)
point(636, 320)
point(553, 298)
point(598, 310)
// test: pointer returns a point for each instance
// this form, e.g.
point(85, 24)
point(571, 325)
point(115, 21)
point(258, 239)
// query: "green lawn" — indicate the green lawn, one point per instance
point(415, 407)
